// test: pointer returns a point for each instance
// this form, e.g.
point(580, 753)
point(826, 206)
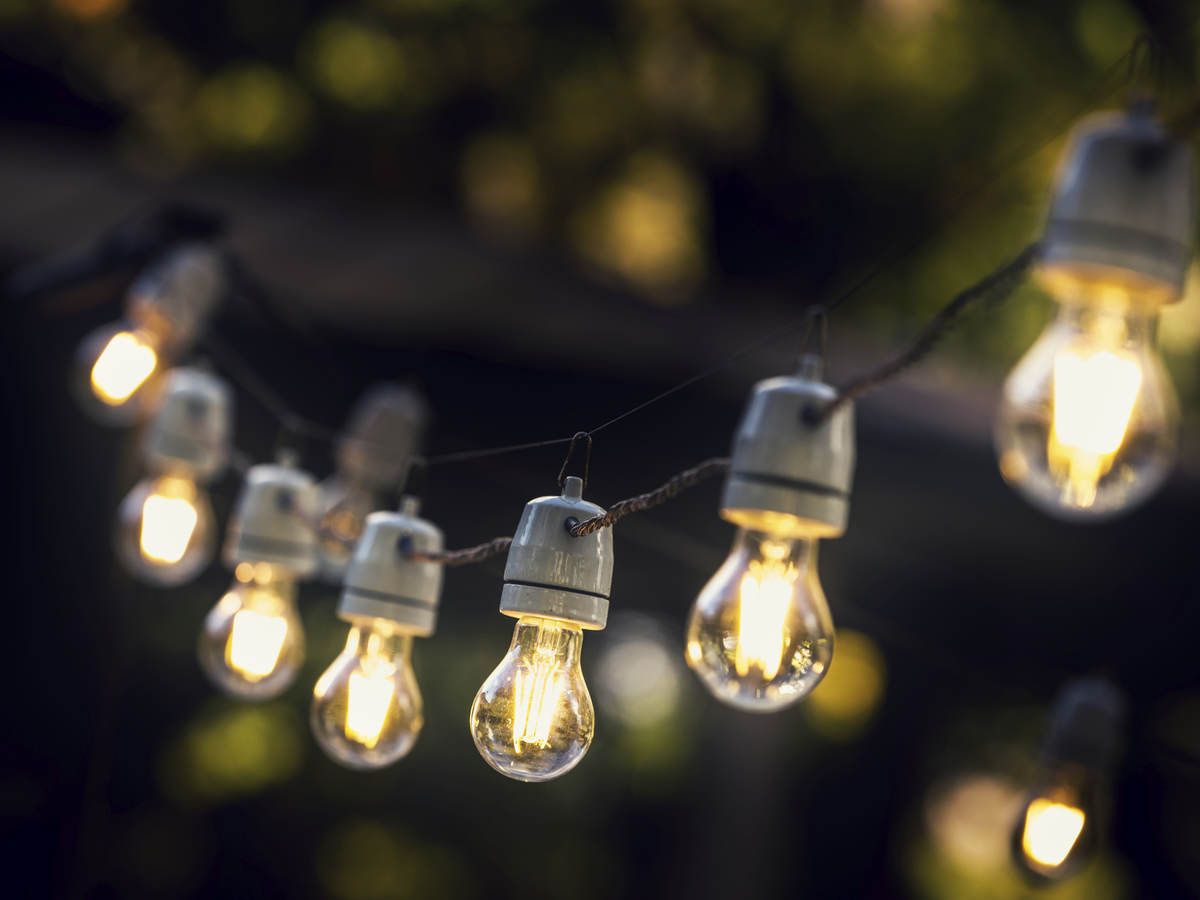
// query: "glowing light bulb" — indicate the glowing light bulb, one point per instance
point(117, 372)
point(533, 718)
point(367, 710)
point(1087, 427)
point(252, 643)
point(1055, 833)
point(1051, 830)
point(165, 530)
point(760, 635)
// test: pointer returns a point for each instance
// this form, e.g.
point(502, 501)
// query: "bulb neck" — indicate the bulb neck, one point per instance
point(1110, 324)
point(548, 640)
point(799, 553)
point(379, 638)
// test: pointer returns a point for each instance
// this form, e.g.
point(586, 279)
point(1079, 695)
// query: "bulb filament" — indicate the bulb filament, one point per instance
point(255, 643)
point(124, 363)
point(1051, 830)
point(167, 527)
point(766, 594)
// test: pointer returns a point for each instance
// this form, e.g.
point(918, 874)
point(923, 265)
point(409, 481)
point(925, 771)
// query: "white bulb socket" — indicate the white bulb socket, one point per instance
point(275, 520)
point(791, 475)
point(1123, 209)
point(384, 582)
point(551, 574)
point(191, 430)
point(175, 296)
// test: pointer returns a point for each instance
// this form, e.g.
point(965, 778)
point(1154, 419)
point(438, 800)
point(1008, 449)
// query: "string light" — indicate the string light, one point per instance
point(374, 454)
point(533, 719)
point(1089, 421)
point(760, 635)
point(120, 366)
point(252, 642)
point(367, 710)
point(1058, 829)
point(166, 534)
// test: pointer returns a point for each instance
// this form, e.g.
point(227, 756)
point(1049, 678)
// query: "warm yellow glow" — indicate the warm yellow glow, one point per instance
point(1051, 830)
point(536, 690)
point(367, 708)
point(123, 365)
point(255, 643)
point(167, 526)
point(766, 594)
point(1094, 394)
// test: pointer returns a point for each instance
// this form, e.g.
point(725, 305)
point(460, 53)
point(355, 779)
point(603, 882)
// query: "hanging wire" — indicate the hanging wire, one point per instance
point(676, 485)
point(587, 459)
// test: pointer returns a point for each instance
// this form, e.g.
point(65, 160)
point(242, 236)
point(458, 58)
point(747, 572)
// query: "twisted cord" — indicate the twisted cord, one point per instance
point(994, 287)
point(676, 485)
point(464, 557)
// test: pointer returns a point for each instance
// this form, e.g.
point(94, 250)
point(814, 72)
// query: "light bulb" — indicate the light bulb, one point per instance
point(760, 635)
point(1088, 425)
point(1056, 832)
point(533, 718)
point(366, 709)
point(116, 372)
point(252, 642)
point(165, 529)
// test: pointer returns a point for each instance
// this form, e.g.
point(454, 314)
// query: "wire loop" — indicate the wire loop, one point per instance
point(587, 459)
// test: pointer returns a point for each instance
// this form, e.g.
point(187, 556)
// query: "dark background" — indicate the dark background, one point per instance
point(543, 215)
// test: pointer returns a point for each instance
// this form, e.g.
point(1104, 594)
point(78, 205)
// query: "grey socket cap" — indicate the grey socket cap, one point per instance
point(789, 477)
point(382, 435)
point(175, 296)
point(1124, 206)
point(556, 576)
point(191, 429)
point(275, 520)
point(382, 582)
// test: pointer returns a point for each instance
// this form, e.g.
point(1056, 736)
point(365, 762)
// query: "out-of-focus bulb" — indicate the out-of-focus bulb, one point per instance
point(166, 532)
point(252, 643)
point(1088, 425)
point(366, 709)
point(345, 505)
point(165, 529)
point(117, 369)
point(760, 635)
point(1050, 831)
point(1058, 829)
point(533, 718)
point(122, 367)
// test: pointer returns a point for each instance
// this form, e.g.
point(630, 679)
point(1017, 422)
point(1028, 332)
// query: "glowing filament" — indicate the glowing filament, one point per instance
point(766, 594)
point(537, 688)
point(123, 364)
point(167, 527)
point(367, 708)
point(255, 643)
point(1051, 830)
point(1094, 394)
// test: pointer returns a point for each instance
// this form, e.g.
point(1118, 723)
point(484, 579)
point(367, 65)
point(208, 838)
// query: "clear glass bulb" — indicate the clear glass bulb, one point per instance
point(1056, 832)
point(533, 718)
point(252, 643)
point(116, 369)
point(344, 505)
point(760, 635)
point(1088, 423)
point(165, 530)
point(366, 710)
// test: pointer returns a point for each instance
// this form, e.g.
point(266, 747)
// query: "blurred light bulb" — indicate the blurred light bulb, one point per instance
point(533, 718)
point(116, 372)
point(1051, 830)
point(1088, 422)
point(367, 709)
point(760, 635)
point(252, 643)
point(165, 529)
point(345, 505)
